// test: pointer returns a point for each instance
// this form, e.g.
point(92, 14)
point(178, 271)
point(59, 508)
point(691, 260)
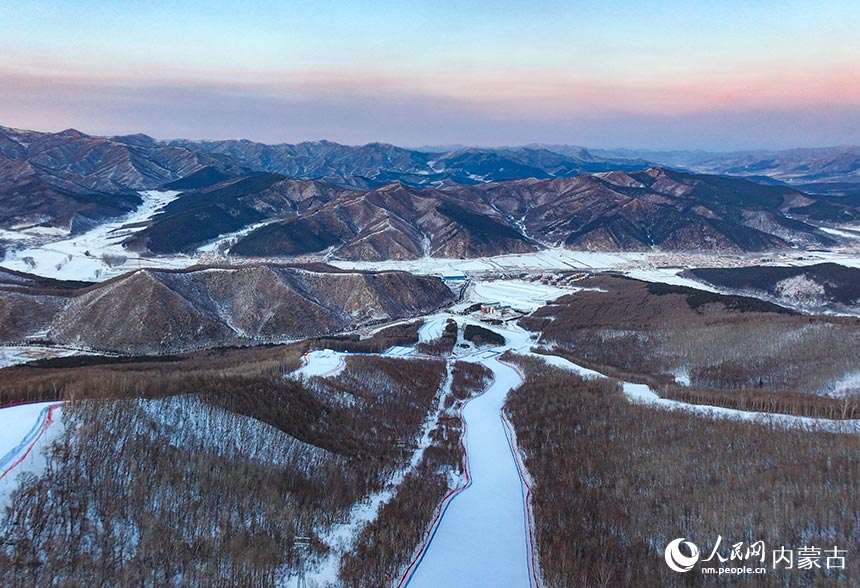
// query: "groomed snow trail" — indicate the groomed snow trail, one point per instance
point(24, 430)
point(482, 539)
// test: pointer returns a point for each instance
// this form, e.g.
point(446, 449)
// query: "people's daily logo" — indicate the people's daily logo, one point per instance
point(727, 558)
point(676, 560)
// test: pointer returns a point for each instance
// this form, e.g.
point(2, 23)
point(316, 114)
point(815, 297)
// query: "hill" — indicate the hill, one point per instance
point(151, 311)
point(822, 286)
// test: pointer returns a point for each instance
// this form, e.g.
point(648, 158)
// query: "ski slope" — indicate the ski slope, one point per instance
point(432, 328)
point(483, 537)
point(25, 429)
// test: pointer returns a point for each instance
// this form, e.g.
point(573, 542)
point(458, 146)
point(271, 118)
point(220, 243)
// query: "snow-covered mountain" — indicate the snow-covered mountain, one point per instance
point(823, 169)
point(635, 211)
point(380, 202)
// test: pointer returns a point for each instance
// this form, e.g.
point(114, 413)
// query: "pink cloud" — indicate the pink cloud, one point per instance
point(531, 92)
point(443, 106)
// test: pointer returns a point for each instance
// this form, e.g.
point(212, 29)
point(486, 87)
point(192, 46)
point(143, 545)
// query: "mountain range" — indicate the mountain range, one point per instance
point(58, 178)
point(604, 211)
point(379, 201)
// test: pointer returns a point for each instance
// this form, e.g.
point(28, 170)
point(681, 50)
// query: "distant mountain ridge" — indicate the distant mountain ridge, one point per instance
point(71, 179)
point(379, 164)
point(821, 169)
point(59, 179)
point(379, 201)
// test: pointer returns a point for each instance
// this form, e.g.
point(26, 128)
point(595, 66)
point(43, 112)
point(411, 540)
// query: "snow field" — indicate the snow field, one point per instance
point(16, 355)
point(79, 257)
point(325, 363)
point(520, 294)
point(548, 259)
point(319, 363)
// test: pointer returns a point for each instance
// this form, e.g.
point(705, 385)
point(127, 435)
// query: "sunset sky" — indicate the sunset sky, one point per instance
point(672, 74)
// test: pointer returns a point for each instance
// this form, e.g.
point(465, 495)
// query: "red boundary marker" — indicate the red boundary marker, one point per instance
point(49, 420)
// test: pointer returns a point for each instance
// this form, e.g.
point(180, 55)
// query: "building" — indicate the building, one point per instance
point(490, 307)
point(496, 308)
point(453, 277)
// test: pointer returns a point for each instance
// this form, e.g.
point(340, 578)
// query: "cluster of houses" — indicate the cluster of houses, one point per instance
point(558, 279)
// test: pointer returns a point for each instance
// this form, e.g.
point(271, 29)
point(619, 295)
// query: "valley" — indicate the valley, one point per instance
point(480, 481)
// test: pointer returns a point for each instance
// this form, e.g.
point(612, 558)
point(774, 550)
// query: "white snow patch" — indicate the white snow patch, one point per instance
point(15, 355)
point(399, 351)
point(682, 376)
point(847, 385)
point(669, 276)
point(850, 233)
point(320, 363)
point(230, 239)
point(801, 290)
point(432, 328)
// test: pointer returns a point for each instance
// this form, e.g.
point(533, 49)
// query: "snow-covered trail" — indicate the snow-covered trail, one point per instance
point(482, 540)
point(642, 394)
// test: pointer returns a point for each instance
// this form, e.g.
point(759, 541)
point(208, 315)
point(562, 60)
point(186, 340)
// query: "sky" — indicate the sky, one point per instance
point(675, 74)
